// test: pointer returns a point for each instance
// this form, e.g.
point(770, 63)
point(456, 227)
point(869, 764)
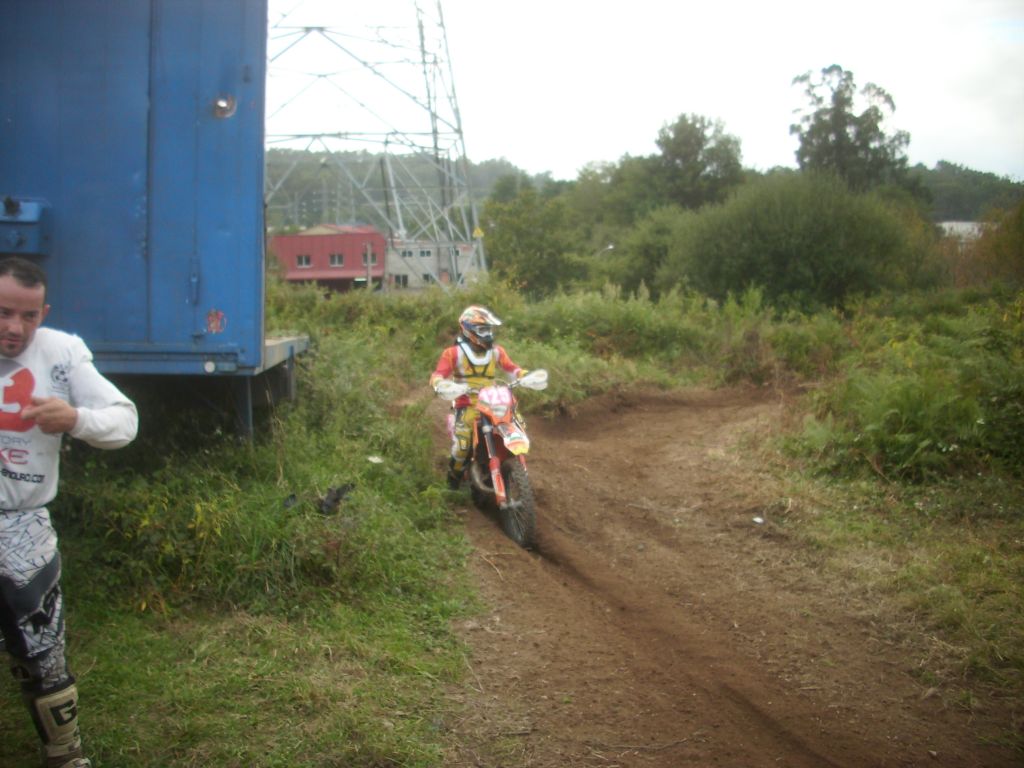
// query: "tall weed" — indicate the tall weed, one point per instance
point(607, 324)
point(688, 336)
point(218, 521)
point(936, 395)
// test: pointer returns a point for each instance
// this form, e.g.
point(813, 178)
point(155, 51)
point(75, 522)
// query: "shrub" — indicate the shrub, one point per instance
point(1000, 250)
point(191, 514)
point(934, 397)
point(805, 238)
point(810, 345)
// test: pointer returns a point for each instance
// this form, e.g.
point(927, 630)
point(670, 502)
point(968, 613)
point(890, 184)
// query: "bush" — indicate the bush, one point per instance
point(810, 346)
point(939, 396)
point(806, 239)
point(190, 514)
point(607, 325)
point(1000, 250)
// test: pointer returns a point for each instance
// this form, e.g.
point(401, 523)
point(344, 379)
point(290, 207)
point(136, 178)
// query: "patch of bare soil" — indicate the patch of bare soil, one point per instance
point(658, 624)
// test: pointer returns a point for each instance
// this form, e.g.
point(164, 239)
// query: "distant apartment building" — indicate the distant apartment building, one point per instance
point(414, 264)
point(964, 231)
point(341, 258)
point(334, 256)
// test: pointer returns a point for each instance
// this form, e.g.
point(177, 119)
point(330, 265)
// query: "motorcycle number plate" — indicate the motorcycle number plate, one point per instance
point(496, 396)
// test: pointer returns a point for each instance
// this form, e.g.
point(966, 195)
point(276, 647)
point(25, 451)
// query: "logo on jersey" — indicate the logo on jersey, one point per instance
point(59, 379)
point(16, 386)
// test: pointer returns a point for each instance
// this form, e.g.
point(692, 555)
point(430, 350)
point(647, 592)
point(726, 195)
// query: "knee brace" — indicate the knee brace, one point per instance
point(47, 670)
point(28, 610)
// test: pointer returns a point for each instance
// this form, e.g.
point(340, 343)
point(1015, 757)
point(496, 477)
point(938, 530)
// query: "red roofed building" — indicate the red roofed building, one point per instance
point(337, 257)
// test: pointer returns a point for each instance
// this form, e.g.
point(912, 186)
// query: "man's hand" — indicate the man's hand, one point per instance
point(52, 415)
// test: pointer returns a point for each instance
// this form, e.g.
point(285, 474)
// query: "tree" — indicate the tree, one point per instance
point(528, 241)
point(999, 252)
point(699, 162)
point(614, 195)
point(645, 247)
point(835, 138)
point(961, 194)
point(635, 188)
point(508, 186)
point(804, 238)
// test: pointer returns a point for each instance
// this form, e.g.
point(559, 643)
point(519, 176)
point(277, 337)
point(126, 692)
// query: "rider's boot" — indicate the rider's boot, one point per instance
point(55, 714)
point(455, 475)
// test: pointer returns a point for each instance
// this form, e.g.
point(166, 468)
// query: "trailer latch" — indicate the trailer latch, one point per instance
point(24, 227)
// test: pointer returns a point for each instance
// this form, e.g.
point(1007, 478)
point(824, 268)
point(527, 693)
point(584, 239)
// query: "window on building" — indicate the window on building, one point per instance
point(337, 260)
point(303, 261)
point(401, 281)
point(426, 253)
point(406, 254)
point(372, 258)
point(427, 278)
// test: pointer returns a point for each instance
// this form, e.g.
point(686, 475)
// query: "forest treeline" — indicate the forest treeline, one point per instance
point(955, 192)
point(852, 219)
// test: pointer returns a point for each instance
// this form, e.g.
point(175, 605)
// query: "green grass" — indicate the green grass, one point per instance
point(341, 686)
point(949, 554)
point(217, 617)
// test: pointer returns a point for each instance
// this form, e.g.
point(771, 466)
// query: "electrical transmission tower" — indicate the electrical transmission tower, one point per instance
point(367, 89)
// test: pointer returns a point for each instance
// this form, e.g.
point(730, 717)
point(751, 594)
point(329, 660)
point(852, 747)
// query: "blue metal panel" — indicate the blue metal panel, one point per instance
point(109, 113)
point(73, 123)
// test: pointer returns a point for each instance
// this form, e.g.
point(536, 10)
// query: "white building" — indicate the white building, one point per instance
point(964, 231)
point(415, 264)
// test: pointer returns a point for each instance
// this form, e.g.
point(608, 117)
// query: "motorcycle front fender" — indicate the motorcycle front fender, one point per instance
point(514, 438)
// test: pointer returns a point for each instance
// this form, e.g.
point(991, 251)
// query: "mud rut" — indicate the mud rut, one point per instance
point(659, 625)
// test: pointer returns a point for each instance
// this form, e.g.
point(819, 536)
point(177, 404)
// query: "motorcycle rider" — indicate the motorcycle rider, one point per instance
point(49, 388)
point(474, 359)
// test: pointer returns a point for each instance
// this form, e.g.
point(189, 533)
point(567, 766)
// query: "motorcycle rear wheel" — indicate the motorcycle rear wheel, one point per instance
point(519, 518)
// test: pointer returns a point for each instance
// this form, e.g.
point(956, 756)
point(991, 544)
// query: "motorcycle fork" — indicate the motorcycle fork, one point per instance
point(494, 465)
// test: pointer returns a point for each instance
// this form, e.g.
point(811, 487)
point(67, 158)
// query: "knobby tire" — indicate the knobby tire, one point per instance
point(519, 522)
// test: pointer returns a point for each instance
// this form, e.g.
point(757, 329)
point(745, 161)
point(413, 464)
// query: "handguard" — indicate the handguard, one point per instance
point(536, 379)
point(447, 389)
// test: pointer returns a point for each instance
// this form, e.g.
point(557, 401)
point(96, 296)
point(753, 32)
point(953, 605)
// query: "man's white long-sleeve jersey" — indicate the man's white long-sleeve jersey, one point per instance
point(55, 364)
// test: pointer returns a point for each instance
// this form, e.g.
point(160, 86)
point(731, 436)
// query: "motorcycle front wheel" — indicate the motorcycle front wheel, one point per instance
point(519, 517)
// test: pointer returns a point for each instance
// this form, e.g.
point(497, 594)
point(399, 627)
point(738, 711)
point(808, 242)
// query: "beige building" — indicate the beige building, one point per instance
point(417, 264)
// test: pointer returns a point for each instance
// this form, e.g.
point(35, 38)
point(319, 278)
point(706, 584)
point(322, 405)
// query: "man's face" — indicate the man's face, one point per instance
point(22, 310)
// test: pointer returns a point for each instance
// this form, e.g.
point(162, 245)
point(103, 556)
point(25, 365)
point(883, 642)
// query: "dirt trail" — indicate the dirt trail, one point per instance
point(659, 625)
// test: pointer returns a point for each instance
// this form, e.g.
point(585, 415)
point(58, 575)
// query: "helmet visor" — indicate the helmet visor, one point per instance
point(483, 331)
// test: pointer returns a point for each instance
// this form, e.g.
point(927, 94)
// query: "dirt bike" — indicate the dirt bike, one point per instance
point(497, 460)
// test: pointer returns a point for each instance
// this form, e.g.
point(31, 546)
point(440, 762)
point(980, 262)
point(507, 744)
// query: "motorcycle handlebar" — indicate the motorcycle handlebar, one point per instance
point(452, 390)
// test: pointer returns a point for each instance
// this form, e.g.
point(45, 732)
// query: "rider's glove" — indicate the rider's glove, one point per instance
point(450, 390)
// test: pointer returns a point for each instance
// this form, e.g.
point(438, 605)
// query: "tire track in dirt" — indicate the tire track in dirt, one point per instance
point(660, 631)
point(656, 625)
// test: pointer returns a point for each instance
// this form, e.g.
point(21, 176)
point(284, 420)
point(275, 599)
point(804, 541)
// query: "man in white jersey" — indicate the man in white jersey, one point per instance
point(48, 387)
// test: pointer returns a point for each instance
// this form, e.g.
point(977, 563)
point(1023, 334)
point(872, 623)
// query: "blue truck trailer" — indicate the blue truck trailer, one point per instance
point(131, 170)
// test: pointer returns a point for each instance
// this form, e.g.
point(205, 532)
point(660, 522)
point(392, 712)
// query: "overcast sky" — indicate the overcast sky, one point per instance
point(554, 85)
